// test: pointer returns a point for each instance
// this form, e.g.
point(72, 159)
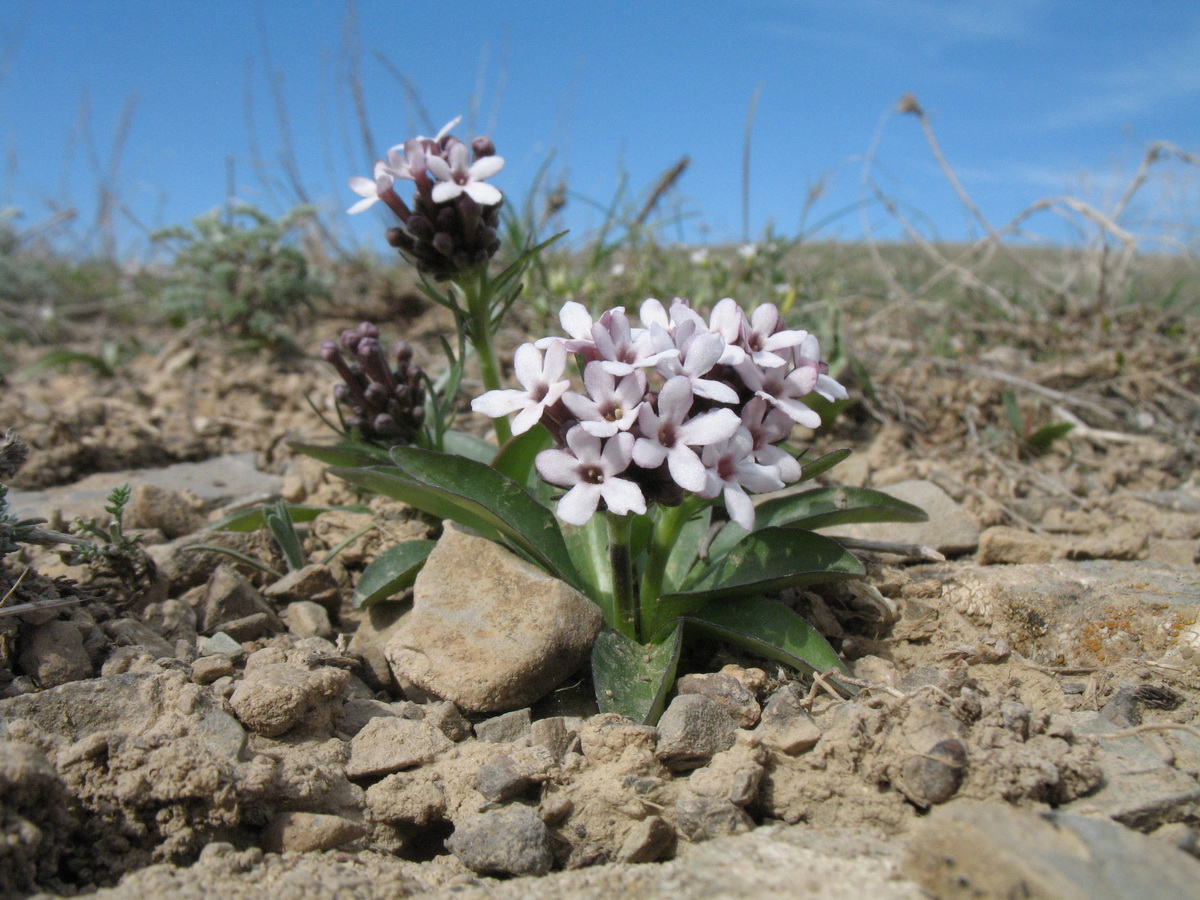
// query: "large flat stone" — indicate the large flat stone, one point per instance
point(949, 529)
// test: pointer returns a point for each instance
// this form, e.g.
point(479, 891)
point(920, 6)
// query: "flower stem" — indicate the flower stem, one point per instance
point(671, 520)
point(621, 560)
point(478, 293)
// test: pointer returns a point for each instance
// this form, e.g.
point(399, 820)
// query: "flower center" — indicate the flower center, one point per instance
point(591, 475)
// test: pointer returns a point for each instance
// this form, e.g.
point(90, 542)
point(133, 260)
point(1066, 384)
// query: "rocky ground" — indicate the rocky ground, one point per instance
point(1027, 709)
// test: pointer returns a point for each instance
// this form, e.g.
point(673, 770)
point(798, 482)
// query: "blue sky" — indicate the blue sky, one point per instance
point(1029, 98)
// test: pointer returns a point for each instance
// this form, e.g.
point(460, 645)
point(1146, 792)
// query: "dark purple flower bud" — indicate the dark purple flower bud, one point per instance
point(443, 243)
point(483, 146)
point(404, 353)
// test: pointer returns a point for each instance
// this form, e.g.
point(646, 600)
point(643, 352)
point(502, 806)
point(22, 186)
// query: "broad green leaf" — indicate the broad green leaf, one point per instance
point(766, 560)
point(588, 547)
point(346, 454)
point(687, 548)
point(515, 458)
point(461, 443)
point(397, 484)
point(821, 464)
point(822, 507)
point(391, 572)
point(498, 500)
point(283, 529)
point(632, 679)
point(770, 629)
point(1040, 440)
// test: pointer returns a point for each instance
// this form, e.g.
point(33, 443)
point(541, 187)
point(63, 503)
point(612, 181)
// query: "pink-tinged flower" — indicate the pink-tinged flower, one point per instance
point(730, 469)
point(782, 390)
point(699, 350)
point(764, 335)
point(610, 406)
point(543, 383)
point(768, 427)
point(807, 358)
point(372, 189)
point(455, 177)
point(591, 474)
point(666, 436)
point(610, 340)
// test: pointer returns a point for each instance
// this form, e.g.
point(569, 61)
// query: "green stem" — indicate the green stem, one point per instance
point(621, 560)
point(478, 294)
point(671, 520)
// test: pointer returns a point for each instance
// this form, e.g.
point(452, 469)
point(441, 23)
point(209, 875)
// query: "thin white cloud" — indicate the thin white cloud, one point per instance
point(1167, 73)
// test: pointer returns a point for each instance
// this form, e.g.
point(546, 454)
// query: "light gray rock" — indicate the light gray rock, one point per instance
point(207, 669)
point(489, 631)
point(313, 583)
point(990, 851)
point(505, 729)
point(229, 597)
point(738, 701)
point(357, 712)
point(387, 744)
point(647, 841)
point(510, 841)
point(221, 643)
point(507, 777)
point(692, 730)
point(172, 512)
point(949, 529)
point(132, 633)
point(554, 734)
point(445, 717)
point(308, 619)
point(704, 818)
point(786, 725)
point(213, 481)
point(303, 832)
point(53, 654)
point(275, 697)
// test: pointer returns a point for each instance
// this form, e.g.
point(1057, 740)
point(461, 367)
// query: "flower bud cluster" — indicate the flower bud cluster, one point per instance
point(452, 223)
point(678, 405)
point(385, 403)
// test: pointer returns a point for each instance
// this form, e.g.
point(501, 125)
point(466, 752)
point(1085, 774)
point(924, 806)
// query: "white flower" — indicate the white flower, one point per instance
point(543, 385)
point(590, 473)
point(807, 357)
point(782, 389)
point(698, 353)
point(768, 428)
point(454, 177)
point(666, 436)
point(699, 257)
point(370, 189)
point(610, 340)
point(730, 469)
point(610, 406)
point(765, 334)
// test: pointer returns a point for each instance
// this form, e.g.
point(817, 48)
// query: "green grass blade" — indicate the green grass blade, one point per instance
point(391, 572)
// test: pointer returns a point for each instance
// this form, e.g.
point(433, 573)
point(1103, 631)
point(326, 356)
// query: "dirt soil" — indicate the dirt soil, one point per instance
point(120, 767)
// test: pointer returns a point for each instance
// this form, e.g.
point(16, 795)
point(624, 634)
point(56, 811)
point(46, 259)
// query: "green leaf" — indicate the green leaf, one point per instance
point(460, 443)
point(683, 555)
point(485, 494)
point(1040, 440)
point(766, 560)
point(770, 629)
point(632, 679)
point(515, 458)
point(588, 547)
point(279, 523)
point(822, 464)
point(345, 454)
point(391, 572)
point(836, 505)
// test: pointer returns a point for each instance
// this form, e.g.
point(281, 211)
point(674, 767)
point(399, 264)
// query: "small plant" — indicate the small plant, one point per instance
point(1031, 440)
point(656, 524)
point(240, 273)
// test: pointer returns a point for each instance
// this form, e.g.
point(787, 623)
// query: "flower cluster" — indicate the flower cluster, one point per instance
point(726, 394)
point(452, 224)
point(386, 404)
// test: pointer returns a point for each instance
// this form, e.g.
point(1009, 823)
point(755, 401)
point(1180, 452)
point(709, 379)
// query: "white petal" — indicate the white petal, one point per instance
point(558, 467)
point(623, 496)
point(439, 168)
point(485, 167)
point(675, 399)
point(685, 468)
point(830, 389)
point(710, 427)
point(364, 187)
point(527, 366)
point(483, 194)
point(495, 404)
point(739, 506)
point(446, 128)
point(362, 204)
point(649, 454)
point(446, 190)
point(579, 504)
point(527, 418)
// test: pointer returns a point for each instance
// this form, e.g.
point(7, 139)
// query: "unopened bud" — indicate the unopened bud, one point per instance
point(483, 146)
